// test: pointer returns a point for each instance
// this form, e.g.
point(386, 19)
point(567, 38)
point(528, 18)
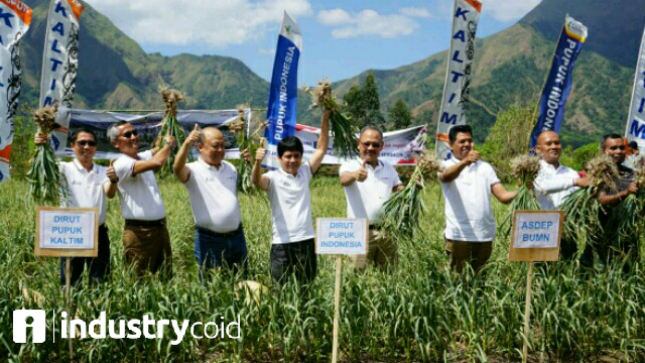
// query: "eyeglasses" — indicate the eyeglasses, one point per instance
point(129, 134)
point(375, 145)
point(86, 143)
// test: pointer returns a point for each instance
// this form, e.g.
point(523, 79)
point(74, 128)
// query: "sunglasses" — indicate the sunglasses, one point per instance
point(86, 143)
point(129, 134)
point(375, 145)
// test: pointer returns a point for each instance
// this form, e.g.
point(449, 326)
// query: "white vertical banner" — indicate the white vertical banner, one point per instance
point(635, 129)
point(60, 63)
point(15, 18)
point(458, 71)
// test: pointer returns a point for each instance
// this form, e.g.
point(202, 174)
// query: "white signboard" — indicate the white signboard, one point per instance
point(68, 229)
point(341, 236)
point(537, 230)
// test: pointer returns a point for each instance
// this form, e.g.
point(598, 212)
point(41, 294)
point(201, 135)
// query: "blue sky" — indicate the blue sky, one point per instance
point(341, 38)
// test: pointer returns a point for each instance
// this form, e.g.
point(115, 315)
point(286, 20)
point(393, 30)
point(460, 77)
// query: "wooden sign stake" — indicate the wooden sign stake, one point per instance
point(329, 241)
point(68, 286)
point(527, 313)
point(339, 271)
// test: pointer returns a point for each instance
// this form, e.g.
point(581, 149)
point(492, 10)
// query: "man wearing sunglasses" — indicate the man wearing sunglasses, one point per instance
point(146, 242)
point(88, 185)
point(369, 183)
point(610, 245)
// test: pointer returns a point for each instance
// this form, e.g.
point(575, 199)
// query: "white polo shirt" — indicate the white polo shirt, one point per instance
point(552, 186)
point(213, 196)
point(85, 187)
point(469, 213)
point(140, 196)
point(290, 205)
point(365, 199)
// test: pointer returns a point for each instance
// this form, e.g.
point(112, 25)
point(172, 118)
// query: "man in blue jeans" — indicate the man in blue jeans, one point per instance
point(212, 185)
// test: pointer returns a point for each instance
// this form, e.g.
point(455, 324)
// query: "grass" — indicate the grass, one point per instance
point(421, 312)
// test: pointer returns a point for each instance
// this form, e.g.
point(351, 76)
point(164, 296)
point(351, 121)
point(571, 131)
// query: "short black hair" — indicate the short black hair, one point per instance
point(290, 143)
point(633, 145)
point(452, 134)
point(608, 136)
point(74, 134)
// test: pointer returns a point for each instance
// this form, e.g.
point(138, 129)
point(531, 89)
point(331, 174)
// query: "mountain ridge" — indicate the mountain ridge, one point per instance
point(509, 67)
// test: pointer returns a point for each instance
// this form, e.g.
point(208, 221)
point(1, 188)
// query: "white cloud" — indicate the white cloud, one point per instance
point(267, 52)
point(367, 22)
point(334, 17)
point(415, 12)
point(217, 23)
point(508, 10)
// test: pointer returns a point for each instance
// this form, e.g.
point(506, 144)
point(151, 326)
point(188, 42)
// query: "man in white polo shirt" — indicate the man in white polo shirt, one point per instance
point(88, 186)
point(369, 182)
point(292, 249)
point(555, 182)
point(146, 242)
point(467, 185)
point(212, 185)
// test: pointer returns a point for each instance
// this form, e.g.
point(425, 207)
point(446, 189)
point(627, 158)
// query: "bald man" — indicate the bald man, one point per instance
point(212, 186)
point(555, 182)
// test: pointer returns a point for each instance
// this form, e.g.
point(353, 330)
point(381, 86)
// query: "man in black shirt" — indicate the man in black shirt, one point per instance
point(611, 245)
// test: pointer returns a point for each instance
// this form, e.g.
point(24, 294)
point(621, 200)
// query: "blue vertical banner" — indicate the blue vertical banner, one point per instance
point(558, 85)
point(283, 96)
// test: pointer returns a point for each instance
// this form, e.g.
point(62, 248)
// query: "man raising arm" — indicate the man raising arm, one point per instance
point(146, 240)
point(211, 182)
point(292, 247)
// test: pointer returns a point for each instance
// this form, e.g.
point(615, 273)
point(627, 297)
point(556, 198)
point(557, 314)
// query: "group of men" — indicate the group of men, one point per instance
point(468, 183)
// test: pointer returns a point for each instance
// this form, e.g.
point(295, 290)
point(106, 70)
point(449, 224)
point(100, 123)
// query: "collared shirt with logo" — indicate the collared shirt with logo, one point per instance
point(365, 199)
point(468, 209)
point(213, 196)
point(85, 188)
point(290, 201)
point(552, 186)
point(139, 194)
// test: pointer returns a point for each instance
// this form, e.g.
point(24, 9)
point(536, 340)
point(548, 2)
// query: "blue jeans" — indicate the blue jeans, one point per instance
point(214, 250)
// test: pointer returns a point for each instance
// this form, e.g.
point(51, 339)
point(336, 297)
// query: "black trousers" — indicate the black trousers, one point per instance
point(99, 267)
point(296, 258)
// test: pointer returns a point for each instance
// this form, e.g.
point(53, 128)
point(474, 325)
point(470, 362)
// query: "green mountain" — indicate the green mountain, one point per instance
point(615, 27)
point(115, 73)
point(511, 66)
